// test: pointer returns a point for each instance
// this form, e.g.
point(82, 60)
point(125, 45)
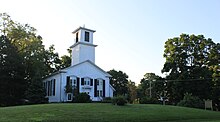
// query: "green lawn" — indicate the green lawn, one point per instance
point(97, 112)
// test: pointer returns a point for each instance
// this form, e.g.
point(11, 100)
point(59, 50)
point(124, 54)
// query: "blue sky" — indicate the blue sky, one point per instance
point(130, 34)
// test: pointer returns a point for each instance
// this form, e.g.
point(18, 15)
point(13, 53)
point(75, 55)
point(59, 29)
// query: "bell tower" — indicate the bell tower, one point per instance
point(83, 48)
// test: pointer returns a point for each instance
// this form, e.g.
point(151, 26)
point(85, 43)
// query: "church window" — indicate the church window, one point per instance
point(86, 81)
point(74, 82)
point(87, 36)
point(99, 93)
point(50, 87)
point(69, 96)
point(99, 82)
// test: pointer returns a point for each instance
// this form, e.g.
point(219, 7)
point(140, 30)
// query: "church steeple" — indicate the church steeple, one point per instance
point(83, 48)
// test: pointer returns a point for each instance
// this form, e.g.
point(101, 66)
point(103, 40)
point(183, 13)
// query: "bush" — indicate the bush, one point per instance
point(82, 98)
point(191, 101)
point(119, 100)
point(107, 100)
point(147, 100)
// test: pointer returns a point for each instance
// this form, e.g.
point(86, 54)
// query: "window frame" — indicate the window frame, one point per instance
point(71, 97)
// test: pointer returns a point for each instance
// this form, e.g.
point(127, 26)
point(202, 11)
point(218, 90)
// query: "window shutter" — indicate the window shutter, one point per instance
point(68, 80)
point(47, 85)
point(44, 85)
point(91, 82)
point(95, 88)
point(54, 85)
point(103, 88)
point(77, 83)
point(82, 81)
point(51, 87)
point(48, 88)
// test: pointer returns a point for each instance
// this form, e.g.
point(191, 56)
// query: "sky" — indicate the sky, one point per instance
point(130, 34)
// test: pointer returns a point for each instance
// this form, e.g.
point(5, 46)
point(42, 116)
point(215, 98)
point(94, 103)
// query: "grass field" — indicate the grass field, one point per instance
point(98, 112)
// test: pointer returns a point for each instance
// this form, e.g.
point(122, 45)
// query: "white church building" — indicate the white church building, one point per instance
point(82, 76)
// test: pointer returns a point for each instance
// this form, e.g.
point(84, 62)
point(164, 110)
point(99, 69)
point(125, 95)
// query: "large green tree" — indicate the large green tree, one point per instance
point(119, 81)
point(12, 82)
point(37, 60)
point(214, 66)
point(188, 66)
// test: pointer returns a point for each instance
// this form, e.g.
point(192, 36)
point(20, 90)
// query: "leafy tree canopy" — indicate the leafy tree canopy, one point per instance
point(119, 81)
point(191, 60)
point(12, 82)
point(26, 49)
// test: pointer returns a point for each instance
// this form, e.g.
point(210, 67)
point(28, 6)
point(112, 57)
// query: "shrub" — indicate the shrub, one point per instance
point(191, 101)
point(119, 100)
point(82, 98)
point(147, 100)
point(68, 88)
point(107, 100)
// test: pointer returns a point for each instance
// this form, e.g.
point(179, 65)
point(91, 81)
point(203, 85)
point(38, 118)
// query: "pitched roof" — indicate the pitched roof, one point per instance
point(107, 74)
point(63, 70)
point(83, 29)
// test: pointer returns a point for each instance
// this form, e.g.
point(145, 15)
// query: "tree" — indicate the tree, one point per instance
point(37, 61)
point(191, 101)
point(51, 60)
point(35, 93)
point(152, 86)
point(65, 61)
point(12, 83)
point(132, 91)
point(119, 81)
point(188, 66)
point(214, 66)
